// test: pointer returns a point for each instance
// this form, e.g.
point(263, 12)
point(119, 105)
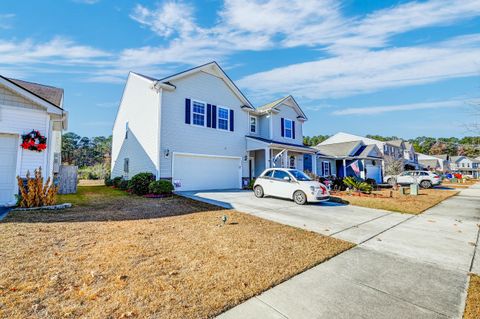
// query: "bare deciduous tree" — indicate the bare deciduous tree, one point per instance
point(393, 165)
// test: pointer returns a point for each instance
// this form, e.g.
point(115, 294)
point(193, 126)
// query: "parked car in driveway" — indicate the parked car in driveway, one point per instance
point(425, 179)
point(291, 184)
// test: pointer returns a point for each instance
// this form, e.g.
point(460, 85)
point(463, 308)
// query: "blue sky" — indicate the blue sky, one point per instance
point(404, 68)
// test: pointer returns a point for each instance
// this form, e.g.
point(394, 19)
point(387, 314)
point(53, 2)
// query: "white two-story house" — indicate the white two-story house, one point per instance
point(197, 129)
point(465, 165)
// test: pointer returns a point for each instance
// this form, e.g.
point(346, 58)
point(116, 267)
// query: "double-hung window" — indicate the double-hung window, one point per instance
point(288, 129)
point(198, 113)
point(253, 124)
point(223, 118)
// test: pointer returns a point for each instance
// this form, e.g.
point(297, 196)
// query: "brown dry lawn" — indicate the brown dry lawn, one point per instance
point(472, 309)
point(398, 203)
point(119, 256)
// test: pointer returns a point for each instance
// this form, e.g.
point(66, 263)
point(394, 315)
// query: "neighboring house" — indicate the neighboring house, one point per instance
point(465, 165)
point(437, 163)
point(197, 129)
point(26, 106)
point(410, 156)
point(350, 159)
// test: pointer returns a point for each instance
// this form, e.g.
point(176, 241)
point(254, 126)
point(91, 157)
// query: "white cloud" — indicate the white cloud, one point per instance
point(170, 18)
point(57, 50)
point(369, 71)
point(402, 107)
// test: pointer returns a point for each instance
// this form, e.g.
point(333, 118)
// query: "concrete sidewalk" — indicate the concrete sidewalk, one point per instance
point(417, 268)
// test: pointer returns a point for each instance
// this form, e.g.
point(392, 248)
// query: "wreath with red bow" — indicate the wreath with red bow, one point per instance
point(34, 141)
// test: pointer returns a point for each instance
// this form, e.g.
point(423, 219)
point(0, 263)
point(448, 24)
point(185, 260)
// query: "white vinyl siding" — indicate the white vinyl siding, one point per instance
point(139, 107)
point(286, 112)
point(178, 137)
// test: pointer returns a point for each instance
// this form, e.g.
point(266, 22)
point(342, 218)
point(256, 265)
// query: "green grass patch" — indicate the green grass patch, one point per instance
point(87, 194)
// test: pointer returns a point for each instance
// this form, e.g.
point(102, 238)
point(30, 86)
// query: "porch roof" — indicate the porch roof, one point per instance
point(277, 144)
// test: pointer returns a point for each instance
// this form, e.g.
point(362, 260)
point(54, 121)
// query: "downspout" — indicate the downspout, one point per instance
point(159, 91)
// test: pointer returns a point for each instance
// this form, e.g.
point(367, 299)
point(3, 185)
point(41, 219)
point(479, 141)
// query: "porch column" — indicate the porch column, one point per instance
point(344, 168)
point(267, 158)
point(286, 164)
point(314, 164)
point(363, 173)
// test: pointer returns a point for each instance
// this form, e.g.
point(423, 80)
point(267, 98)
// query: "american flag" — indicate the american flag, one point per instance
point(355, 167)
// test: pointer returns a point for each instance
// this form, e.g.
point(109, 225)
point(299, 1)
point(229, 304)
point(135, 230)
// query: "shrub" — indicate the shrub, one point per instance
point(108, 181)
point(250, 183)
point(357, 185)
point(160, 187)
point(337, 184)
point(35, 193)
point(123, 185)
point(140, 182)
point(116, 181)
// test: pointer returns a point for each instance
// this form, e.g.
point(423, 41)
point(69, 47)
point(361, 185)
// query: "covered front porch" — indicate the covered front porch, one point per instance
point(265, 154)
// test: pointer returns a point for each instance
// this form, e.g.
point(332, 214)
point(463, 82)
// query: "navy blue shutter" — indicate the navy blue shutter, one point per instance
point(214, 116)
point(187, 111)
point(209, 115)
point(231, 120)
point(293, 129)
point(322, 169)
point(282, 125)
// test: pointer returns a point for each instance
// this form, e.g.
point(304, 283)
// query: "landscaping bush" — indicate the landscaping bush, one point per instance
point(123, 185)
point(36, 193)
point(108, 181)
point(160, 187)
point(116, 181)
point(250, 183)
point(139, 183)
point(357, 185)
point(338, 185)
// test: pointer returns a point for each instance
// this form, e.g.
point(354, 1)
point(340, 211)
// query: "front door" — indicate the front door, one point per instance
point(251, 167)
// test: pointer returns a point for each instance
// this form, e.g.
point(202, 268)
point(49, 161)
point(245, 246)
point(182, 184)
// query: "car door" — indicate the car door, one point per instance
point(282, 184)
point(405, 178)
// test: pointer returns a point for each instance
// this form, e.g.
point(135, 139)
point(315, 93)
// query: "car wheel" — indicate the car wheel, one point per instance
point(391, 181)
point(258, 191)
point(425, 184)
point(299, 198)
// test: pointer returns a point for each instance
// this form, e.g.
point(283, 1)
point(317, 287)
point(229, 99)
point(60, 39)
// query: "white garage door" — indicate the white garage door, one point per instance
point(204, 172)
point(374, 172)
point(8, 164)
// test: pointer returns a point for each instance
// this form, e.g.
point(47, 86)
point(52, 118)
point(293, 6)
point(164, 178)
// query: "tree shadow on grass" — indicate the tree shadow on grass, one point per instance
point(115, 209)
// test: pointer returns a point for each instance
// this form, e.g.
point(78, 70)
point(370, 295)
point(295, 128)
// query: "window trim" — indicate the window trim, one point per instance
point(218, 118)
point(192, 112)
point(285, 120)
point(250, 124)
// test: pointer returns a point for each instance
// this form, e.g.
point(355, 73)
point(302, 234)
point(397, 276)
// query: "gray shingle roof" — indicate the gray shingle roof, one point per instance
point(397, 143)
point(429, 162)
point(51, 94)
point(338, 149)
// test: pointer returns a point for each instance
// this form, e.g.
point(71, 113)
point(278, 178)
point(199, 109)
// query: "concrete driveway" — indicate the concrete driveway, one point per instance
point(404, 266)
point(352, 223)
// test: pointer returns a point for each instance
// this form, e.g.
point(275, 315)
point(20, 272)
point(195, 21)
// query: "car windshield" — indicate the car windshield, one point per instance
point(299, 176)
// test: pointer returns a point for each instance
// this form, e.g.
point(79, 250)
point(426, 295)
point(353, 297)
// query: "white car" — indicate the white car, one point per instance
point(291, 184)
point(425, 179)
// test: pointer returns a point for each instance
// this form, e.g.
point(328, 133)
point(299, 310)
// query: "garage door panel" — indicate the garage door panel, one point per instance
point(200, 172)
point(8, 164)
